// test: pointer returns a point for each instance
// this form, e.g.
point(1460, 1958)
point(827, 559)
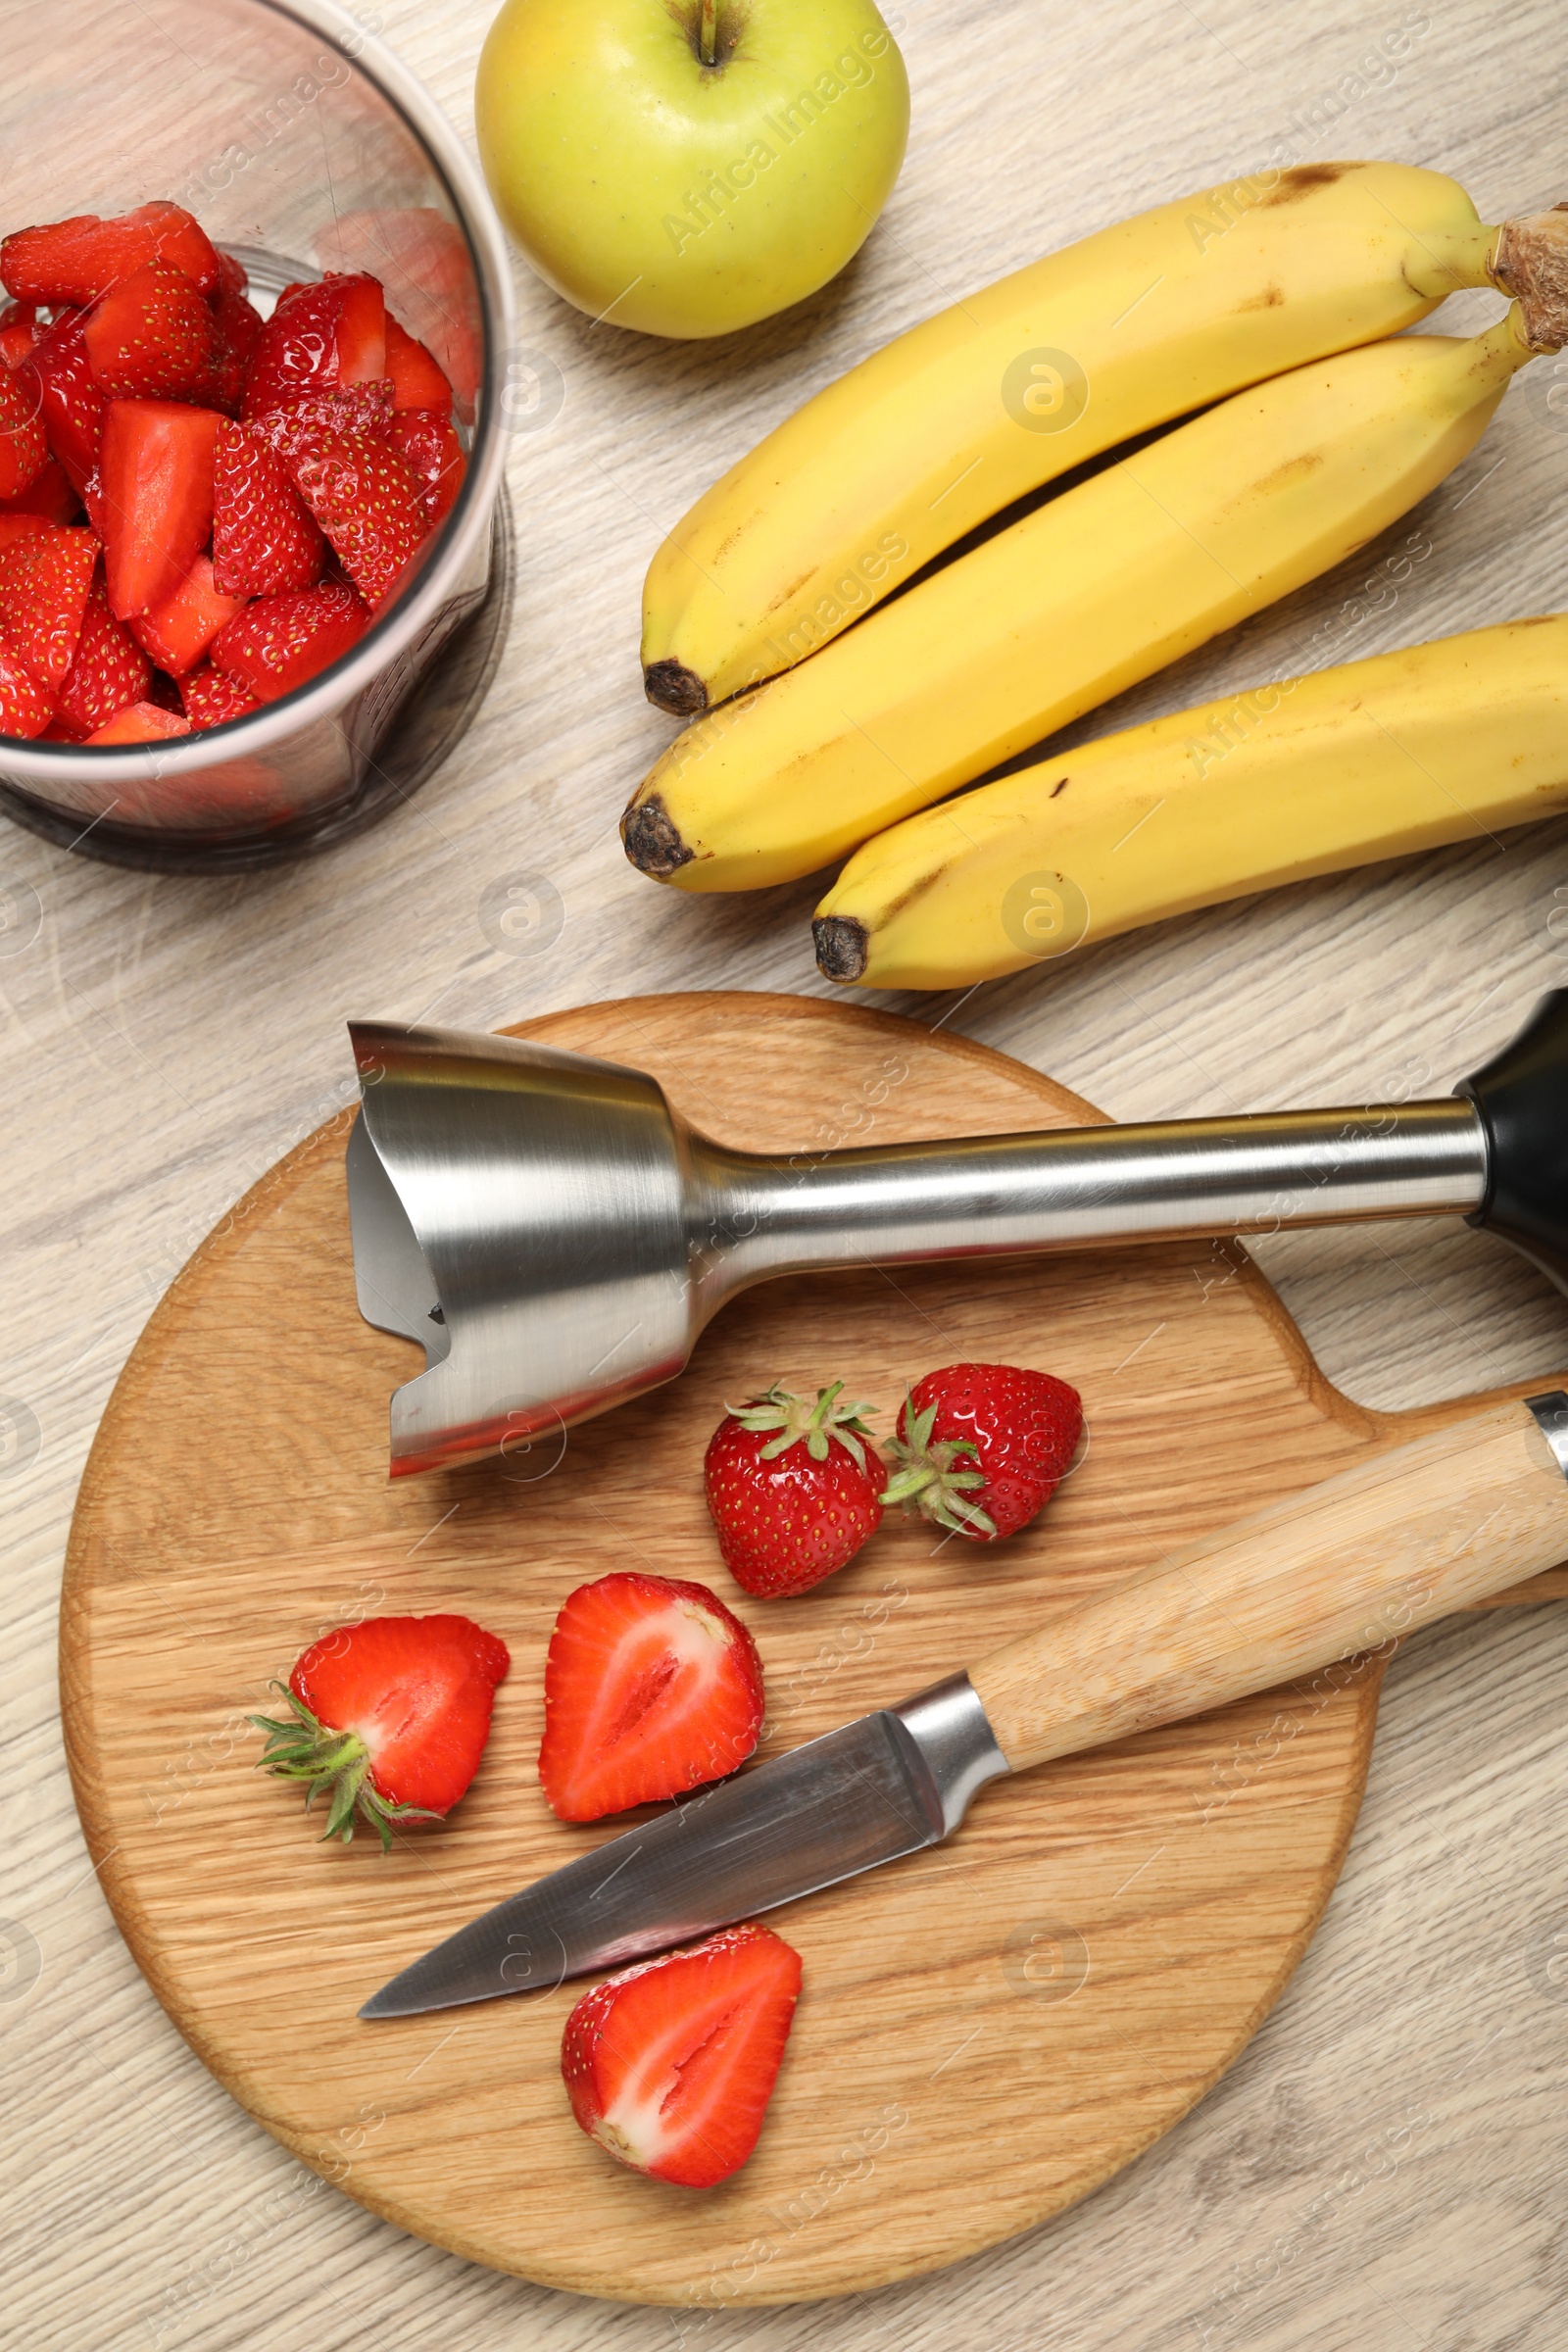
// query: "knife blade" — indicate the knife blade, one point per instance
point(1348, 1567)
point(857, 1796)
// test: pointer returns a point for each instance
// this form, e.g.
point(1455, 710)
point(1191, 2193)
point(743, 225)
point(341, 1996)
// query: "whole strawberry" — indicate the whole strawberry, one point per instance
point(791, 1490)
point(979, 1447)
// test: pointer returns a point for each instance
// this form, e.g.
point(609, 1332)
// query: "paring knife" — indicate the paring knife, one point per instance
point(1346, 1567)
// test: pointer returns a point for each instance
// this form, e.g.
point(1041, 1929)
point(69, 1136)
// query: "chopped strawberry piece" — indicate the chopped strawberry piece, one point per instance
point(368, 503)
point(651, 1688)
point(77, 259)
point(50, 496)
point(280, 642)
point(72, 404)
point(211, 699)
point(19, 332)
point(109, 673)
point(237, 330)
point(155, 498)
point(318, 336)
point(18, 526)
point(263, 537)
point(44, 579)
point(26, 708)
point(151, 337)
point(433, 455)
point(232, 277)
point(352, 409)
point(178, 631)
point(390, 1715)
point(670, 2066)
point(143, 722)
point(417, 381)
point(23, 444)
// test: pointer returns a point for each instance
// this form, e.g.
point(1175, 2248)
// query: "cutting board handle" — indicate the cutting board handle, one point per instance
point(1341, 1569)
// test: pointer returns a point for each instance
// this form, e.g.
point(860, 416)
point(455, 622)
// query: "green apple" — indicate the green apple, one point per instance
point(688, 166)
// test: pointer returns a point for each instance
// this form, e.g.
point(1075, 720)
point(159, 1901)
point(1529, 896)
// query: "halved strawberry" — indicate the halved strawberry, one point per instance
point(26, 708)
point(671, 2064)
point(178, 631)
point(71, 403)
point(44, 579)
point(211, 699)
point(305, 423)
point(318, 336)
point(154, 498)
point(264, 538)
point(19, 332)
point(434, 453)
point(77, 259)
point(237, 330)
point(151, 337)
point(280, 642)
point(651, 1688)
point(367, 502)
point(50, 498)
point(142, 722)
point(391, 1716)
point(417, 381)
point(109, 673)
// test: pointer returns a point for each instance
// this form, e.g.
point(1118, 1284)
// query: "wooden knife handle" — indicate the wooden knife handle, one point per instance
point(1345, 1567)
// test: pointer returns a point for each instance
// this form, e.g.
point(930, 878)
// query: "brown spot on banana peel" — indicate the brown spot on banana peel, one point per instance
point(670, 686)
point(1301, 180)
point(1531, 262)
point(650, 840)
point(843, 946)
point(1269, 300)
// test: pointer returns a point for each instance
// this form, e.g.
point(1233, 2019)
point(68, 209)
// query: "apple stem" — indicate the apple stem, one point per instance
point(707, 30)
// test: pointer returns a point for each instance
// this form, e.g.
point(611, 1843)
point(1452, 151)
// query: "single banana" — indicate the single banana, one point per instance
point(1105, 584)
point(1148, 320)
point(1376, 758)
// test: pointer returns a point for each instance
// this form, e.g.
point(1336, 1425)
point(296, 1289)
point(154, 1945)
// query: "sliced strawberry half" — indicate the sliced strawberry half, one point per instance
point(178, 631)
point(25, 708)
point(76, 261)
point(44, 579)
point(390, 1717)
point(19, 332)
point(433, 455)
point(73, 406)
point(151, 337)
point(155, 498)
point(263, 537)
point(211, 699)
point(417, 380)
point(142, 722)
point(282, 642)
point(305, 423)
point(368, 503)
point(318, 336)
point(109, 673)
point(671, 2064)
point(651, 1686)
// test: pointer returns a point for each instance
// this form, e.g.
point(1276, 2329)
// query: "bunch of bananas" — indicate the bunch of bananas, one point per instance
point(1268, 315)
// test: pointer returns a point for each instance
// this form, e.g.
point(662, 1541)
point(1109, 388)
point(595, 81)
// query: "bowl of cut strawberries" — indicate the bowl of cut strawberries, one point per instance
point(254, 311)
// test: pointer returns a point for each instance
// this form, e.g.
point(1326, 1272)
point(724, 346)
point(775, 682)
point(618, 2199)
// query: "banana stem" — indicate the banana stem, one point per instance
point(707, 32)
point(1531, 264)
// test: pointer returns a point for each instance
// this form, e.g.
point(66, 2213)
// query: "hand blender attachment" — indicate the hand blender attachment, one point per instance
point(556, 1236)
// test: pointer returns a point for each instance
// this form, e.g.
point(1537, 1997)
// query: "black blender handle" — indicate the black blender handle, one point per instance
point(1522, 1097)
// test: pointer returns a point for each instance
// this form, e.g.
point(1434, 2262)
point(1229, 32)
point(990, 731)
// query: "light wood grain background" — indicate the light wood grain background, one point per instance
point(1384, 2167)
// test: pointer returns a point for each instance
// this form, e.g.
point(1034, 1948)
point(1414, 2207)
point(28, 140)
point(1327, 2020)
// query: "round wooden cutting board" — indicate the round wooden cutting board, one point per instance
point(986, 2030)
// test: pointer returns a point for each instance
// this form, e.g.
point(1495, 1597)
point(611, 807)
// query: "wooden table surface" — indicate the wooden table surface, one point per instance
point(1382, 2168)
